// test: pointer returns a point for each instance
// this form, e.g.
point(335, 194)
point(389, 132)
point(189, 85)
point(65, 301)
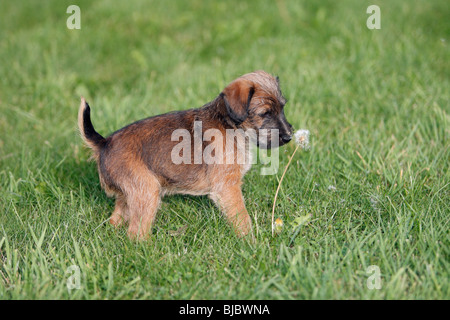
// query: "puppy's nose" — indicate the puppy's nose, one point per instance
point(286, 138)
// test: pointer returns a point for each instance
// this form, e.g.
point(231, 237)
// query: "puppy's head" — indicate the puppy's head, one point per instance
point(254, 101)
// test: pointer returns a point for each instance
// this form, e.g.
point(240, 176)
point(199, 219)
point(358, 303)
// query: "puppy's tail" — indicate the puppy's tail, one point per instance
point(92, 138)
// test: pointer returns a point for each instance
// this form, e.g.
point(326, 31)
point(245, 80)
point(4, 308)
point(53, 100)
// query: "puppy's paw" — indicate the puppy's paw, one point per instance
point(116, 221)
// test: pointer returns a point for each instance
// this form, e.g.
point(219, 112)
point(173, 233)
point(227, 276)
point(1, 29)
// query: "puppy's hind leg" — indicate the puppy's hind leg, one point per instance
point(120, 213)
point(143, 199)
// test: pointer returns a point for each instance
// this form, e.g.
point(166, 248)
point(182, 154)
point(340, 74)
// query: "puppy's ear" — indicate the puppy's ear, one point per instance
point(237, 97)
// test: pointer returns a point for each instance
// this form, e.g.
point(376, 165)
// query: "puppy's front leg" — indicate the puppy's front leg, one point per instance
point(230, 200)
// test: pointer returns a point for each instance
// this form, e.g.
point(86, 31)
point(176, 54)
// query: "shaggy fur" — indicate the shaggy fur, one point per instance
point(135, 165)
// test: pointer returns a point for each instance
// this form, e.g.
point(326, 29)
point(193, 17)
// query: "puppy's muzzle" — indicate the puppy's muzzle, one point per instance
point(286, 138)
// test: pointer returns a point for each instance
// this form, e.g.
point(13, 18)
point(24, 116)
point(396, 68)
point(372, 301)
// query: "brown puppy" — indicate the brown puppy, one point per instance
point(136, 163)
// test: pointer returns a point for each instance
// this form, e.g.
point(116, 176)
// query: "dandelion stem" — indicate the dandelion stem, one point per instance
point(279, 186)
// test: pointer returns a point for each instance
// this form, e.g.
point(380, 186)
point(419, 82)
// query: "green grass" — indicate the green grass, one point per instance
point(376, 102)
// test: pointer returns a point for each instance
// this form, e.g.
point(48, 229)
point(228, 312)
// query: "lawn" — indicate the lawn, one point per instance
point(375, 182)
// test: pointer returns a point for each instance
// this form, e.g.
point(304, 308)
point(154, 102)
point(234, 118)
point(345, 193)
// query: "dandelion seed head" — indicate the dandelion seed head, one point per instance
point(302, 138)
point(374, 203)
point(331, 188)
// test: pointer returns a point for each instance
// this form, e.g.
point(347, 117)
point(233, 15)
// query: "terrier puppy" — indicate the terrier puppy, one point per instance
point(135, 163)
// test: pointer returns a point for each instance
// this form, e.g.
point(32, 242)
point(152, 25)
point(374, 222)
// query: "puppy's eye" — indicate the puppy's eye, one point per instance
point(265, 114)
